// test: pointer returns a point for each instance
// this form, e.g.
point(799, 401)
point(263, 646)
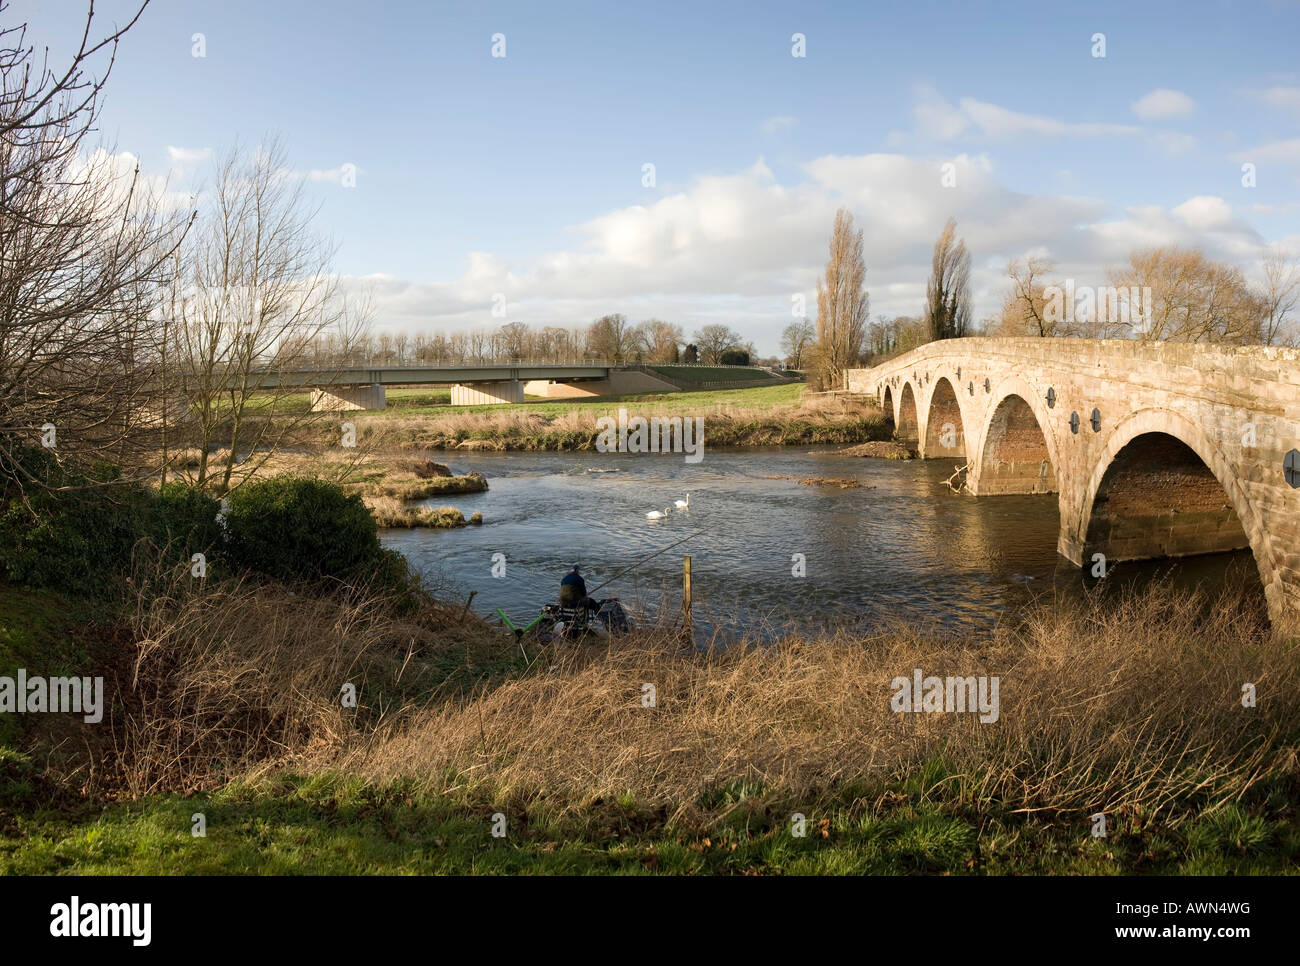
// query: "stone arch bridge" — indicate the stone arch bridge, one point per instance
point(1154, 449)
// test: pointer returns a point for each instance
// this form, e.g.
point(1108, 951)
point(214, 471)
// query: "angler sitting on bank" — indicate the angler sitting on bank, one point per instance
point(578, 615)
point(573, 590)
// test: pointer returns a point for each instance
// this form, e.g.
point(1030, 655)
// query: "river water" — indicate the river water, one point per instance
point(901, 546)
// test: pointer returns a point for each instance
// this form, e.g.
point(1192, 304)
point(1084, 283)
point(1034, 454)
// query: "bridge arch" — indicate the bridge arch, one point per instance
point(907, 426)
point(945, 423)
point(1181, 473)
point(1017, 450)
point(887, 407)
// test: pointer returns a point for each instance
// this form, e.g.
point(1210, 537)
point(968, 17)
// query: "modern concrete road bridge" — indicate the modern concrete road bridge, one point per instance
point(365, 387)
point(1154, 449)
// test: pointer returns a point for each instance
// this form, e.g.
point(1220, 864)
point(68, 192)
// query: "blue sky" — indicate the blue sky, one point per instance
point(522, 175)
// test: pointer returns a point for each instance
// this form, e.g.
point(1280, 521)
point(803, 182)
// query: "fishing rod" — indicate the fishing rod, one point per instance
point(640, 562)
point(519, 632)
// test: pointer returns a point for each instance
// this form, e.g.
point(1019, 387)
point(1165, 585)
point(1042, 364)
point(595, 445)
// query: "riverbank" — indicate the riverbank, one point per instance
point(781, 760)
point(765, 416)
point(391, 484)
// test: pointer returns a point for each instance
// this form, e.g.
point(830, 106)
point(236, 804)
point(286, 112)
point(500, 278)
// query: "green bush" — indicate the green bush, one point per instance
point(74, 539)
point(80, 538)
point(185, 520)
point(734, 357)
point(298, 528)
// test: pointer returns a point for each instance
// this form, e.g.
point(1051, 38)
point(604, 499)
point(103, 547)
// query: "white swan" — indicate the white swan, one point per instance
point(684, 504)
point(656, 515)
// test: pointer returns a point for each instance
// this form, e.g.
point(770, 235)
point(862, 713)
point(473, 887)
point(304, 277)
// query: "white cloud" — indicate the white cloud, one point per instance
point(1290, 208)
point(996, 121)
point(779, 124)
point(330, 175)
point(935, 116)
point(734, 247)
point(1287, 98)
point(1162, 104)
point(117, 172)
point(1205, 212)
point(187, 157)
point(1287, 152)
point(1204, 222)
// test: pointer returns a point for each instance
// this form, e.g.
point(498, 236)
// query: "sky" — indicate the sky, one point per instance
point(521, 180)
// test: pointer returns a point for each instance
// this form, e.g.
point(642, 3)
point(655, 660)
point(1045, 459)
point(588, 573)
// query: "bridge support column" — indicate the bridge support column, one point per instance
point(488, 393)
point(339, 399)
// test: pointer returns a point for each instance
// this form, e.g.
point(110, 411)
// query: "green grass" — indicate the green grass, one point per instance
point(418, 396)
point(48, 634)
point(712, 373)
point(335, 825)
point(431, 400)
point(769, 397)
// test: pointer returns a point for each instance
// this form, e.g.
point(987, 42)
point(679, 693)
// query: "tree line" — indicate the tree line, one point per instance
point(1162, 293)
point(610, 338)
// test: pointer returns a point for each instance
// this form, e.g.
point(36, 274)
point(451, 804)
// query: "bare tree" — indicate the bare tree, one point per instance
point(254, 289)
point(1025, 309)
point(1180, 295)
point(1280, 296)
point(713, 340)
point(516, 341)
point(947, 293)
point(610, 337)
point(85, 248)
point(658, 341)
point(666, 345)
point(795, 340)
point(354, 327)
point(842, 301)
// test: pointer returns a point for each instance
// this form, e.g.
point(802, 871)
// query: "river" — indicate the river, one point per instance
point(900, 546)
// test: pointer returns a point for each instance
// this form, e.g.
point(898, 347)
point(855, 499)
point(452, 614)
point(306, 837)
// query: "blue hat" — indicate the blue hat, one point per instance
point(576, 567)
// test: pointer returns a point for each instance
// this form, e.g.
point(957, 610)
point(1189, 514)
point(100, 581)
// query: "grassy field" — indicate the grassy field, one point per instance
point(416, 396)
point(335, 825)
point(432, 400)
point(770, 397)
point(712, 373)
point(414, 400)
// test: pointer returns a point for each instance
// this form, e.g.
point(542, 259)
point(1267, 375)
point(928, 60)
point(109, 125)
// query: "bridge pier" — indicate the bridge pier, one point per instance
point(337, 399)
point(487, 393)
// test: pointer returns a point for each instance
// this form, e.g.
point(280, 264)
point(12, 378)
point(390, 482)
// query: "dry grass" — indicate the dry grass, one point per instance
point(878, 449)
point(392, 512)
point(397, 487)
point(575, 429)
point(1132, 708)
point(235, 678)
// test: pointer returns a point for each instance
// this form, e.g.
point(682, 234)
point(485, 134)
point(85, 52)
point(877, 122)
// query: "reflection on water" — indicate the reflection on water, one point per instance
point(900, 546)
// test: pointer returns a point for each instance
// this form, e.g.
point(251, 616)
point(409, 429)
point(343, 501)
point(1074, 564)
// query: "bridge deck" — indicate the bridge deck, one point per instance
point(427, 375)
